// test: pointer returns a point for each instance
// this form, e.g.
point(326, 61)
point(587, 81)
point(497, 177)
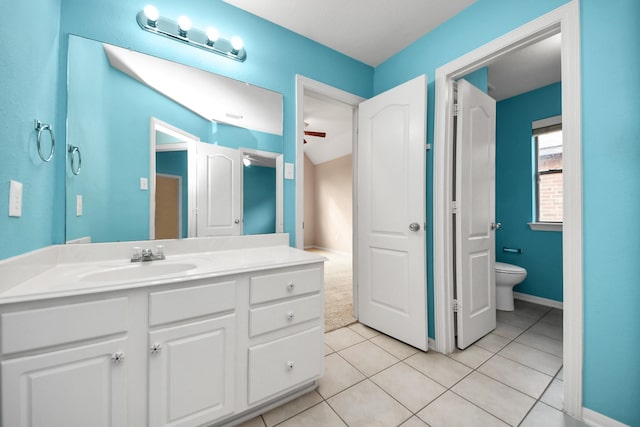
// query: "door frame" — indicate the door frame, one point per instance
point(189, 145)
point(565, 19)
point(305, 85)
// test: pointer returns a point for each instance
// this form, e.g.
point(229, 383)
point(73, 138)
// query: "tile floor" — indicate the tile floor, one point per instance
point(513, 376)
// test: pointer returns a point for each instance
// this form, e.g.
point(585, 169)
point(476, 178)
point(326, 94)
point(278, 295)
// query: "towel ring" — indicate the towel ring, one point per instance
point(41, 127)
point(75, 152)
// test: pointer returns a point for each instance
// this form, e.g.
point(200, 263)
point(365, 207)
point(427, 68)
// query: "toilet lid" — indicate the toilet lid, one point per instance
point(503, 267)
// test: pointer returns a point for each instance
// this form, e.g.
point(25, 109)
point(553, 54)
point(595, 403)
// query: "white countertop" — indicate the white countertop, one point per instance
point(69, 277)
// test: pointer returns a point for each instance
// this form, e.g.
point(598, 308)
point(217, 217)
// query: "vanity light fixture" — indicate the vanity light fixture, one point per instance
point(246, 160)
point(150, 20)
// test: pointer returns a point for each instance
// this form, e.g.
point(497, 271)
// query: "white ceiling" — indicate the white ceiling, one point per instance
point(370, 31)
point(333, 118)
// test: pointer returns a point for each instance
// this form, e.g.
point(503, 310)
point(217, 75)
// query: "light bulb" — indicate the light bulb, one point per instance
point(236, 44)
point(184, 24)
point(246, 161)
point(212, 35)
point(151, 13)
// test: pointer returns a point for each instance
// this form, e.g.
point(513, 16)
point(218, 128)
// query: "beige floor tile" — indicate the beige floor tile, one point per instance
point(506, 330)
point(342, 338)
point(513, 374)
point(529, 356)
point(452, 410)
point(554, 396)
point(414, 422)
point(363, 330)
point(393, 346)
point(530, 309)
point(319, 415)
point(472, 356)
point(253, 422)
point(554, 317)
point(366, 405)
point(292, 408)
point(541, 342)
point(338, 375)
point(327, 350)
point(514, 319)
point(548, 329)
point(438, 367)
point(545, 416)
point(560, 375)
point(494, 397)
point(493, 342)
point(408, 386)
point(368, 358)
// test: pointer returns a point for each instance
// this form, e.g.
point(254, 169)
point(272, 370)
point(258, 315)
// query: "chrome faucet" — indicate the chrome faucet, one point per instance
point(138, 255)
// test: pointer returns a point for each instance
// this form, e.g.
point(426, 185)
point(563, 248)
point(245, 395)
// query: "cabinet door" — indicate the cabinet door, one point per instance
point(191, 373)
point(81, 386)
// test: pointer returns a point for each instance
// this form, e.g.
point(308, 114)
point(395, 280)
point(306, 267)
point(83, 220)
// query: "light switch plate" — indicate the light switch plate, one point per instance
point(288, 171)
point(78, 205)
point(144, 184)
point(15, 198)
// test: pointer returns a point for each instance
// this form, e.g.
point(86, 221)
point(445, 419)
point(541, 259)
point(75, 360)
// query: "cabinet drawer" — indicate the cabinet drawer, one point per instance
point(276, 316)
point(33, 329)
point(286, 284)
point(281, 364)
point(187, 303)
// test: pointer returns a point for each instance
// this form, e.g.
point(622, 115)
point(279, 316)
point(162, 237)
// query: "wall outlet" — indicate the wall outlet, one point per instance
point(78, 205)
point(15, 198)
point(144, 184)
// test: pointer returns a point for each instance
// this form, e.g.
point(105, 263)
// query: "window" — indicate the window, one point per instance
point(547, 139)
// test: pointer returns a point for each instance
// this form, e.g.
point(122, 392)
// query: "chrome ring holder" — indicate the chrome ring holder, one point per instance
point(75, 152)
point(41, 127)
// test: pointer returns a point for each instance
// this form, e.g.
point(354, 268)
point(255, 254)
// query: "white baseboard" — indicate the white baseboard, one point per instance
point(596, 419)
point(538, 300)
point(432, 344)
point(86, 239)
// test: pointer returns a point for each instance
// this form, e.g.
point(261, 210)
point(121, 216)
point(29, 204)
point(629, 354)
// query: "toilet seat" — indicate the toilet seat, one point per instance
point(503, 267)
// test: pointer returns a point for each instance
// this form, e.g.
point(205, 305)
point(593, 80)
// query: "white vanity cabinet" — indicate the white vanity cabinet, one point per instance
point(67, 367)
point(210, 349)
point(192, 362)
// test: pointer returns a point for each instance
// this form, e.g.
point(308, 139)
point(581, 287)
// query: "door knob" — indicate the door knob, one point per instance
point(414, 226)
point(495, 226)
point(237, 221)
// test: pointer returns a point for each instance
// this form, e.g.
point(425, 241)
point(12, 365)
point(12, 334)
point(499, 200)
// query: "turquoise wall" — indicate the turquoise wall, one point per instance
point(541, 250)
point(611, 159)
point(259, 200)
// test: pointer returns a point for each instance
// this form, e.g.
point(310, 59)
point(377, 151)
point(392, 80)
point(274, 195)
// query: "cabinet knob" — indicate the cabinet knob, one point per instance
point(290, 365)
point(291, 286)
point(117, 357)
point(155, 348)
point(290, 315)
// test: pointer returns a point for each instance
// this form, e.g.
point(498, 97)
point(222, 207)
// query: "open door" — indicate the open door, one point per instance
point(475, 218)
point(219, 191)
point(391, 213)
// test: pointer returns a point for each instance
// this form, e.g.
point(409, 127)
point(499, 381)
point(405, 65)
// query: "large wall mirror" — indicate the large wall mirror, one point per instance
point(157, 149)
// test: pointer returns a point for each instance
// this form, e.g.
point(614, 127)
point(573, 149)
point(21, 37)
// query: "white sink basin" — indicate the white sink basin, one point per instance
point(134, 271)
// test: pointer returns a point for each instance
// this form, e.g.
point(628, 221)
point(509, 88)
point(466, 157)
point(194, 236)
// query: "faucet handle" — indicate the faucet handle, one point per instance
point(159, 252)
point(136, 254)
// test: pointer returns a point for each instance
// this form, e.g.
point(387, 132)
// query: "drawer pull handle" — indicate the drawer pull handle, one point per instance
point(291, 286)
point(290, 365)
point(155, 348)
point(290, 315)
point(117, 357)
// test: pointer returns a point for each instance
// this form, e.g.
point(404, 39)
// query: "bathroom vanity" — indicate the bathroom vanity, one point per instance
point(223, 329)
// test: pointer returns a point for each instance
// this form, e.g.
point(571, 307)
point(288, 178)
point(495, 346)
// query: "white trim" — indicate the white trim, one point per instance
point(545, 226)
point(549, 121)
point(79, 240)
point(538, 300)
point(333, 251)
point(596, 419)
point(567, 20)
point(190, 147)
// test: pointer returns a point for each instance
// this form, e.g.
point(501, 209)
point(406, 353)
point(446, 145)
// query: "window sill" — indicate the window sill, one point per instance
point(545, 226)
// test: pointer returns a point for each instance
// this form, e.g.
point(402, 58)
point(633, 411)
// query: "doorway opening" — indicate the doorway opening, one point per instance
point(563, 20)
point(325, 191)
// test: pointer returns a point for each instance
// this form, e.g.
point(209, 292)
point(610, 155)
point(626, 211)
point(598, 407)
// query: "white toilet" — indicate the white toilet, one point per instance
point(507, 276)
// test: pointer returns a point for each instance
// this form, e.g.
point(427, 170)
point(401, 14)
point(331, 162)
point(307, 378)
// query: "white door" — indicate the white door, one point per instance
point(219, 191)
point(77, 387)
point(192, 373)
point(475, 190)
point(391, 213)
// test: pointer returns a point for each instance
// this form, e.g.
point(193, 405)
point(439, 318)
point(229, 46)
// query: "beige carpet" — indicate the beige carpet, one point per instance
point(338, 290)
